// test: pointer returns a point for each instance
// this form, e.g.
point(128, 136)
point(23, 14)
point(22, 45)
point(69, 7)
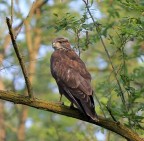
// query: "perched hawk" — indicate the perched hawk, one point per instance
point(72, 77)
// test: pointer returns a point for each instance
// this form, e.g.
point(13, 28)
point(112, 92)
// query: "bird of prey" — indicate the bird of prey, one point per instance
point(72, 77)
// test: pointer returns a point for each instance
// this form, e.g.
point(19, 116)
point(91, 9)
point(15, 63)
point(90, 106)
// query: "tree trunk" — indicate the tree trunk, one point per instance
point(2, 125)
point(22, 120)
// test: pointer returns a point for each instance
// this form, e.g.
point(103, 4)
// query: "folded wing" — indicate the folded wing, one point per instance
point(73, 80)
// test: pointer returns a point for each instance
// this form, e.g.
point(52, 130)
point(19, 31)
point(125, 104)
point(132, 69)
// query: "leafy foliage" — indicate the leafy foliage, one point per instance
point(121, 26)
point(120, 33)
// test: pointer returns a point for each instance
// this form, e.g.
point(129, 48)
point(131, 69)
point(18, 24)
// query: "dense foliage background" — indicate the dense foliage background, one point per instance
point(109, 39)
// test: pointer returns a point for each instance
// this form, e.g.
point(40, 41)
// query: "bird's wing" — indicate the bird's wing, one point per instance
point(78, 65)
point(73, 79)
point(68, 68)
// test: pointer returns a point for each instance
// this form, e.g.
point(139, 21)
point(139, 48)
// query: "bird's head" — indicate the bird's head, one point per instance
point(60, 43)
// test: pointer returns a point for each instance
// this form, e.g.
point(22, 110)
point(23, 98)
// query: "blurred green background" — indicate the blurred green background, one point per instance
point(120, 24)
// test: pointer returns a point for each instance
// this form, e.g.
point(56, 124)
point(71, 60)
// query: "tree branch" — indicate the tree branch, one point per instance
point(28, 84)
point(108, 55)
point(64, 110)
point(17, 29)
point(36, 4)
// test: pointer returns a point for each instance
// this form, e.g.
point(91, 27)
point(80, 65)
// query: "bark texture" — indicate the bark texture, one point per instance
point(64, 110)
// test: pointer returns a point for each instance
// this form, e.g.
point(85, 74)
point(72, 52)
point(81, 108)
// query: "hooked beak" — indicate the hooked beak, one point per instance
point(53, 44)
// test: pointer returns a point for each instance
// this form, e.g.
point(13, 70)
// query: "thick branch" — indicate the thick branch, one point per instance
point(28, 84)
point(64, 110)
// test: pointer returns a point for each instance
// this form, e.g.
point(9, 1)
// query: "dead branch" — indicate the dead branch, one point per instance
point(28, 84)
point(65, 110)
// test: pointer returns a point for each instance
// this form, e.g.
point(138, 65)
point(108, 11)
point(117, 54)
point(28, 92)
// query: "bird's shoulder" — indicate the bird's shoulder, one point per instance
point(78, 65)
point(69, 59)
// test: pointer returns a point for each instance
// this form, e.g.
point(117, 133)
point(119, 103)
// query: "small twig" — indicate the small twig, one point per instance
point(28, 84)
point(36, 4)
point(18, 28)
point(30, 13)
point(11, 12)
point(100, 105)
point(109, 110)
point(87, 40)
point(3, 68)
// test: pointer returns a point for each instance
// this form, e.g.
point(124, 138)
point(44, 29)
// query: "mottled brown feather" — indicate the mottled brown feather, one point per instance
point(72, 77)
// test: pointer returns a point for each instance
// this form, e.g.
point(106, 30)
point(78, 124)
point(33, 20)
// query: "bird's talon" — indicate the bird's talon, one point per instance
point(72, 107)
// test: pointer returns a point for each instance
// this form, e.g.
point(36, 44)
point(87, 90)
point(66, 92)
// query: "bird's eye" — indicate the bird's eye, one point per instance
point(53, 44)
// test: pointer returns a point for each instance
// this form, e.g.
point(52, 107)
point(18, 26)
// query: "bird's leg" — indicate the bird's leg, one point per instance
point(60, 98)
point(60, 102)
point(72, 106)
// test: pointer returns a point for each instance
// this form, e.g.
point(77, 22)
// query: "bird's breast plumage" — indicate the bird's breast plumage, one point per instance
point(73, 79)
point(70, 69)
